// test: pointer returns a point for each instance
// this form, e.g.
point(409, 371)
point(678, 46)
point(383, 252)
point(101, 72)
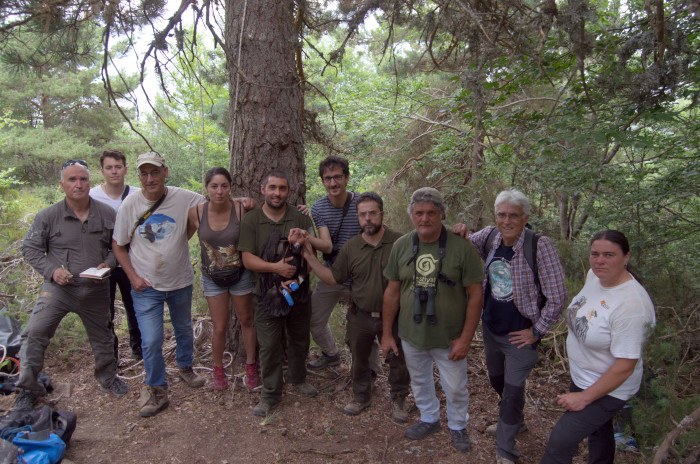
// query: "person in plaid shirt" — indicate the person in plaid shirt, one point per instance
point(519, 308)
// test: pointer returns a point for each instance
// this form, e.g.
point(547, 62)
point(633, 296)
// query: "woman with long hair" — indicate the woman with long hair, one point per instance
point(223, 275)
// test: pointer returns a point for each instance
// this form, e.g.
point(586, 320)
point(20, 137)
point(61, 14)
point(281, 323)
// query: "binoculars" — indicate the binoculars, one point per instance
point(424, 295)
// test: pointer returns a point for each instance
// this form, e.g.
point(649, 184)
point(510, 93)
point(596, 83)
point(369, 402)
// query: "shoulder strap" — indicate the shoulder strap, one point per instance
point(489, 240)
point(346, 208)
point(415, 248)
point(442, 244)
point(125, 192)
point(150, 211)
point(530, 250)
point(336, 233)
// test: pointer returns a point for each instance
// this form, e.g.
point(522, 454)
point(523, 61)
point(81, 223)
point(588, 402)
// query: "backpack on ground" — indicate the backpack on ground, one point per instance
point(62, 423)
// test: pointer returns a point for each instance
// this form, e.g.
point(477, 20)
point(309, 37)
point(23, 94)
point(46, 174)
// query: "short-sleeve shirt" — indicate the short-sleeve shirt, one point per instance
point(363, 264)
point(461, 264)
point(327, 215)
point(158, 249)
point(256, 229)
point(606, 323)
point(98, 194)
point(500, 314)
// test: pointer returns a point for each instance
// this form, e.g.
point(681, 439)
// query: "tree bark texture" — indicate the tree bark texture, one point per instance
point(265, 95)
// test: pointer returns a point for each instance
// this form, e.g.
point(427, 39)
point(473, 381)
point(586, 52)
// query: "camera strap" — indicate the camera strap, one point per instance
point(442, 243)
point(334, 238)
point(148, 213)
point(423, 294)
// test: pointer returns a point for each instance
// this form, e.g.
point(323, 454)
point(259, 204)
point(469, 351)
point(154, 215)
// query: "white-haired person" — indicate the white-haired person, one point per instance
point(524, 295)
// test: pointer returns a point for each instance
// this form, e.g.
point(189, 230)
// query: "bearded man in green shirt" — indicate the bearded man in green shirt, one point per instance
point(361, 261)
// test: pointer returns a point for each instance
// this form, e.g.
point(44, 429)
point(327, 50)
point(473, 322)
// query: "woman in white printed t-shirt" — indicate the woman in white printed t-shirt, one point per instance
point(608, 322)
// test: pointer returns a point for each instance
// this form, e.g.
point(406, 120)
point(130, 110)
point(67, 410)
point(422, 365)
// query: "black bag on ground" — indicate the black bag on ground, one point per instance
point(8, 452)
point(10, 332)
point(7, 383)
point(62, 423)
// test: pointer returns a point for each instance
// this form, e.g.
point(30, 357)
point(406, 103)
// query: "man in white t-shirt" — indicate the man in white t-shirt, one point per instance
point(113, 192)
point(154, 225)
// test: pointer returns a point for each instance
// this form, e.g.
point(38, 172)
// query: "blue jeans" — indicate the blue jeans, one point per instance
point(149, 308)
point(453, 378)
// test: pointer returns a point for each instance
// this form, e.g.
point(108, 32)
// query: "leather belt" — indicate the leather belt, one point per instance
point(375, 314)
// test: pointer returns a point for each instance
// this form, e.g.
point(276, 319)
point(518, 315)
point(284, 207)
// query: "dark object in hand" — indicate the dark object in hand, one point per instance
point(390, 356)
point(273, 302)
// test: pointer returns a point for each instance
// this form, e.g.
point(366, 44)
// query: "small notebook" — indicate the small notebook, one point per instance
point(94, 273)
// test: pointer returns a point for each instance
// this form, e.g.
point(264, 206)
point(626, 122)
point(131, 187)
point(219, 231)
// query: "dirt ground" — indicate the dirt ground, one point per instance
point(204, 426)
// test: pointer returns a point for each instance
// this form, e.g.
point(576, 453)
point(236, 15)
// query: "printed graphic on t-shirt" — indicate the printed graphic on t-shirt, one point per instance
point(426, 266)
point(500, 280)
point(579, 325)
point(157, 227)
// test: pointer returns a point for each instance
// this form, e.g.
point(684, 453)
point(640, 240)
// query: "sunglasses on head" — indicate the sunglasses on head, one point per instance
point(72, 162)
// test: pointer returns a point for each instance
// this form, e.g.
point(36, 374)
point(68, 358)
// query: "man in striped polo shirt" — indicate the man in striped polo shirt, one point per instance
point(335, 216)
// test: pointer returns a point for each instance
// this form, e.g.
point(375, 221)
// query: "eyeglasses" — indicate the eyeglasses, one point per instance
point(337, 178)
point(371, 214)
point(83, 163)
point(153, 173)
point(511, 216)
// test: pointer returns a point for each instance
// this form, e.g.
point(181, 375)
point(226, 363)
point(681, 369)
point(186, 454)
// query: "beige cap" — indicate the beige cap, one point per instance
point(151, 157)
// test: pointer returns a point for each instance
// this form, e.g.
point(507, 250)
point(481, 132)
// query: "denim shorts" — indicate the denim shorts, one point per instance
point(242, 287)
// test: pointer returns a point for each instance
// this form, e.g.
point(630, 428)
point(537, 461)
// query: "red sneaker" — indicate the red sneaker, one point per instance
point(252, 377)
point(220, 380)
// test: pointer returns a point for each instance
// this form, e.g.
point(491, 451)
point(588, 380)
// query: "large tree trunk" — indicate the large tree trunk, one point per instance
point(265, 95)
point(265, 105)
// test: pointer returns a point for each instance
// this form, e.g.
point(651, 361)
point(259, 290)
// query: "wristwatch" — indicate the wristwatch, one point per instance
point(537, 333)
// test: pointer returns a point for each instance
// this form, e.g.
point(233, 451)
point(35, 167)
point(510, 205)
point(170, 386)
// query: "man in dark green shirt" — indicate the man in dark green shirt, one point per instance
point(361, 261)
point(277, 218)
point(436, 281)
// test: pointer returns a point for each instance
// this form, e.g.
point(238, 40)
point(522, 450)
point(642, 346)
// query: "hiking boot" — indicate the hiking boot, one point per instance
point(25, 400)
point(153, 400)
point(263, 409)
point(421, 430)
point(460, 440)
point(306, 389)
point(252, 377)
point(323, 362)
point(354, 408)
point(502, 460)
point(118, 388)
point(399, 410)
point(219, 378)
point(493, 428)
point(190, 378)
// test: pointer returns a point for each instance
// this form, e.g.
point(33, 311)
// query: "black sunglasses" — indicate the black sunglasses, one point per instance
point(72, 162)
